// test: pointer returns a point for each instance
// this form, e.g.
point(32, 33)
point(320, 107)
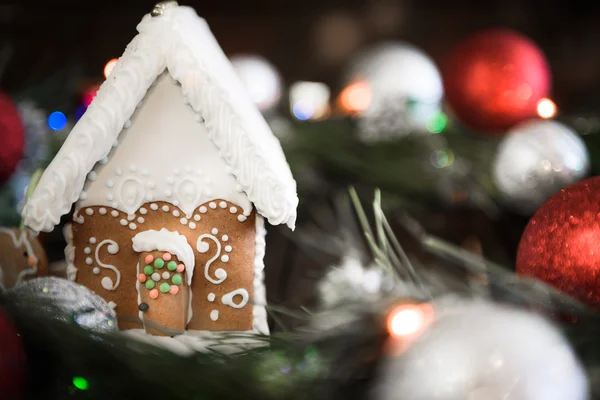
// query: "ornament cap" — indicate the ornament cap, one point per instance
point(160, 7)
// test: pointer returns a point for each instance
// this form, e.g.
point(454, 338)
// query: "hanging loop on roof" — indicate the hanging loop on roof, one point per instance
point(159, 8)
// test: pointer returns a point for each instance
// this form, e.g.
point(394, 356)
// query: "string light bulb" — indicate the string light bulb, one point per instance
point(109, 66)
point(546, 108)
point(407, 321)
point(355, 98)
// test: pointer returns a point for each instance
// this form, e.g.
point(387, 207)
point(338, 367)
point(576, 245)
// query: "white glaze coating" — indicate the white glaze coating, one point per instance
point(182, 42)
point(165, 240)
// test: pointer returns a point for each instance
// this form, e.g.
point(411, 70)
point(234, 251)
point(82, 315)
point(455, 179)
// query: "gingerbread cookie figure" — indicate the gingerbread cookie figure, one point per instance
point(22, 257)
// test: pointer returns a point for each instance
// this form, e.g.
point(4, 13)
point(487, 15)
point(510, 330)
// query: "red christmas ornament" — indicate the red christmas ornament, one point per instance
point(12, 360)
point(561, 242)
point(495, 79)
point(12, 136)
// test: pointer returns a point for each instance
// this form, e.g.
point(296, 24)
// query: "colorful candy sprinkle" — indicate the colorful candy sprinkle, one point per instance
point(172, 265)
point(159, 263)
point(167, 256)
point(149, 258)
point(148, 270)
point(142, 278)
point(174, 289)
point(176, 279)
point(153, 294)
point(165, 287)
point(150, 285)
point(180, 268)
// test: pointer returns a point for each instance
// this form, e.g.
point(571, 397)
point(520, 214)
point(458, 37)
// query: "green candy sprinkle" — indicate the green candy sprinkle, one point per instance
point(165, 287)
point(148, 270)
point(176, 279)
point(159, 263)
point(150, 284)
point(172, 265)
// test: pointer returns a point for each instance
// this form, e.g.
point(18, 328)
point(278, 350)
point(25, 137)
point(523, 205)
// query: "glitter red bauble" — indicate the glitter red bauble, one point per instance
point(12, 137)
point(12, 360)
point(561, 244)
point(494, 80)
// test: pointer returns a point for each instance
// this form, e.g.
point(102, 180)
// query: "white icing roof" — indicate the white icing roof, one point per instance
point(181, 42)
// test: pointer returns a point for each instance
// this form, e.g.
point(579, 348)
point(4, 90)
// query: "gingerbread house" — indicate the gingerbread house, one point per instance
point(172, 172)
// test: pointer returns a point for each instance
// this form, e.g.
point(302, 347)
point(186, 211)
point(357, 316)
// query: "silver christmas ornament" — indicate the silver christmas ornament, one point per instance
point(478, 350)
point(67, 301)
point(405, 90)
point(535, 160)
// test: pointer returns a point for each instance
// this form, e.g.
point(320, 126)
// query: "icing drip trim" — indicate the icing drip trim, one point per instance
point(165, 240)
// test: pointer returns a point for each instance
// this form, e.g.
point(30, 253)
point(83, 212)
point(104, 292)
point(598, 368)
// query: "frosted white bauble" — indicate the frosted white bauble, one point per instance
point(536, 159)
point(398, 68)
point(405, 85)
point(260, 79)
point(479, 351)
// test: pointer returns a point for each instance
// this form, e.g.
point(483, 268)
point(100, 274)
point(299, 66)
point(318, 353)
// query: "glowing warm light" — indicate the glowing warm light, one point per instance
point(109, 66)
point(409, 320)
point(546, 108)
point(356, 98)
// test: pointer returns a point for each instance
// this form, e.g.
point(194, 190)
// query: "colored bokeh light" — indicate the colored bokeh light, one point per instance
point(409, 320)
point(110, 66)
point(80, 111)
point(89, 94)
point(80, 383)
point(356, 98)
point(57, 121)
point(438, 123)
point(546, 108)
point(303, 111)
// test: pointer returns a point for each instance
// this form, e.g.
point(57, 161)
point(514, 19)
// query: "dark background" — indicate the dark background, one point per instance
point(306, 40)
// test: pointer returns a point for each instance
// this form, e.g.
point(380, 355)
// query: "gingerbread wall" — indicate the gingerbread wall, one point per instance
point(104, 256)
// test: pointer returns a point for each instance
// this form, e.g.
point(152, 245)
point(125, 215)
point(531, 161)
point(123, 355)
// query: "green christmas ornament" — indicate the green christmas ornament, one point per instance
point(150, 284)
point(172, 265)
point(159, 263)
point(148, 270)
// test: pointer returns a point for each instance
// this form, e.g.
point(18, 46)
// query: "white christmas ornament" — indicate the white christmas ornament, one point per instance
point(535, 160)
point(479, 351)
point(260, 79)
point(405, 86)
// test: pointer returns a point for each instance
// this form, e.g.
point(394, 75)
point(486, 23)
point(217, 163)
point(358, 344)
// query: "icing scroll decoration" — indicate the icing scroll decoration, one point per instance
point(227, 299)
point(202, 247)
point(113, 248)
